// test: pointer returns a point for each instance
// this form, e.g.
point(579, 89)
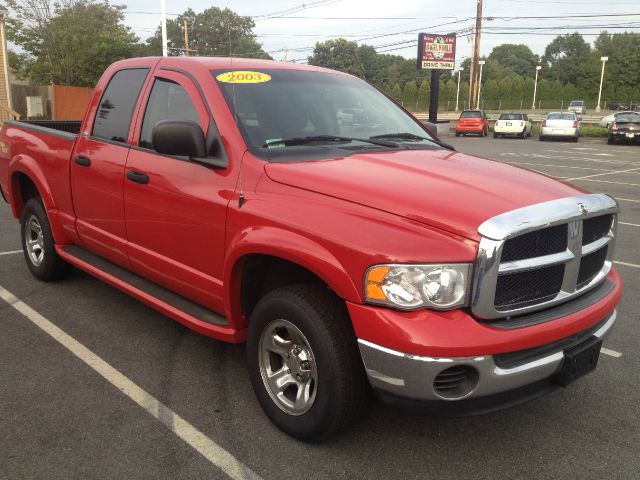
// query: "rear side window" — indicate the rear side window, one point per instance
point(167, 100)
point(116, 105)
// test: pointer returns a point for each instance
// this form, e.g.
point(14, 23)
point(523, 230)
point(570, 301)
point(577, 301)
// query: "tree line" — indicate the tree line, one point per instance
point(72, 42)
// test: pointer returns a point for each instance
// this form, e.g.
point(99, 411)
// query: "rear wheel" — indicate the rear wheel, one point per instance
point(495, 135)
point(38, 244)
point(457, 133)
point(304, 363)
point(610, 140)
point(541, 138)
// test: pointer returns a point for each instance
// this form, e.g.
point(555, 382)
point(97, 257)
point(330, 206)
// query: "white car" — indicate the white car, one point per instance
point(517, 124)
point(578, 106)
point(605, 122)
point(560, 125)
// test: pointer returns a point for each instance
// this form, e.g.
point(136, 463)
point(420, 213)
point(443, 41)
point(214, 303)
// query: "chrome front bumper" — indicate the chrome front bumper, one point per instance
point(412, 377)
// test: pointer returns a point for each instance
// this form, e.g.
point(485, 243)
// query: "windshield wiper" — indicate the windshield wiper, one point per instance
point(412, 137)
point(287, 142)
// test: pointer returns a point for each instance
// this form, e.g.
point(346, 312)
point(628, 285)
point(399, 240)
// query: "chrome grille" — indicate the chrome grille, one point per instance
point(538, 256)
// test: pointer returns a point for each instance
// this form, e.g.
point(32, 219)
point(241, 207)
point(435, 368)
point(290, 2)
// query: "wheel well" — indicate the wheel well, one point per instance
point(264, 273)
point(27, 189)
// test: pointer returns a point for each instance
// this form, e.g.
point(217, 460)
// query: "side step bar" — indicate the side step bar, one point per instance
point(181, 309)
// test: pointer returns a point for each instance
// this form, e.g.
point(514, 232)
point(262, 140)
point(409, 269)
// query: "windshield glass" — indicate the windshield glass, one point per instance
point(561, 116)
point(308, 115)
point(511, 116)
point(578, 103)
point(471, 114)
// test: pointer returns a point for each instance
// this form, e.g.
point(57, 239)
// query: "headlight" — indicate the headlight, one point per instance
point(409, 287)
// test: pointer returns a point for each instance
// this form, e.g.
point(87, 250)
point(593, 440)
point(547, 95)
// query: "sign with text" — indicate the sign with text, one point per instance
point(436, 52)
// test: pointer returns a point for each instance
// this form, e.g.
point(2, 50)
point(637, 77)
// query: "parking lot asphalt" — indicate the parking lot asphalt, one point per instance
point(60, 418)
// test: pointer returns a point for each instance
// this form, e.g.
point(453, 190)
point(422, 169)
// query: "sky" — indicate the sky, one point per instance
point(386, 25)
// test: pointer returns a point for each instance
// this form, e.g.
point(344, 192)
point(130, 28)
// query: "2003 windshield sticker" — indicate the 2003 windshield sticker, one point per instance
point(243, 77)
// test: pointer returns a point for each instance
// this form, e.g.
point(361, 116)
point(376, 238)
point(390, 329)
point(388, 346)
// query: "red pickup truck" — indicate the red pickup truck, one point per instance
point(348, 250)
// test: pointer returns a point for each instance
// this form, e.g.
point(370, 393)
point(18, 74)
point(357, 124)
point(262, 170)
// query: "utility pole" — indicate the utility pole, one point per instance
point(535, 88)
point(163, 22)
point(186, 39)
point(476, 57)
point(603, 60)
point(286, 54)
point(460, 69)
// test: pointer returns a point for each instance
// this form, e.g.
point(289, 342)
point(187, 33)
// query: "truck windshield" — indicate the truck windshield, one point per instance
point(297, 114)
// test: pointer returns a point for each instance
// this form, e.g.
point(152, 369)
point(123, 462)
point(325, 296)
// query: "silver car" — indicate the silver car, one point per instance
point(578, 106)
point(560, 125)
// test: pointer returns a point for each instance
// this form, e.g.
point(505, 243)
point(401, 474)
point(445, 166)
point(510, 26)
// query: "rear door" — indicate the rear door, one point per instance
point(97, 167)
point(176, 220)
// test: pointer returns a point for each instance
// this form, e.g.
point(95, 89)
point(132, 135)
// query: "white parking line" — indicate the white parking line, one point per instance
point(626, 264)
point(611, 353)
point(630, 224)
point(213, 452)
point(561, 166)
point(10, 252)
point(608, 181)
point(607, 173)
point(628, 200)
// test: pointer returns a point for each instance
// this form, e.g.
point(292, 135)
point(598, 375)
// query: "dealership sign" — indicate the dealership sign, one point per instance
point(436, 51)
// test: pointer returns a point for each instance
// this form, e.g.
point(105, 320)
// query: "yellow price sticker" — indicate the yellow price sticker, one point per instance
point(243, 77)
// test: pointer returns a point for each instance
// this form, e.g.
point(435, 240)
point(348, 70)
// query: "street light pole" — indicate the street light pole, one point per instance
point(163, 21)
point(458, 93)
point(535, 88)
point(481, 63)
point(604, 60)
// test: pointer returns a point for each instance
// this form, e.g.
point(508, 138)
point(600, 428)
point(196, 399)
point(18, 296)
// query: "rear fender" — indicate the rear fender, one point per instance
point(286, 245)
point(28, 166)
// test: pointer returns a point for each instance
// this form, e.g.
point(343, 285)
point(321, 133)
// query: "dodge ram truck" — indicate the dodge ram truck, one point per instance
point(351, 255)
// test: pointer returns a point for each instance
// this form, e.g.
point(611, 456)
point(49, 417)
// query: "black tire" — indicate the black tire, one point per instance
point(342, 386)
point(541, 138)
point(575, 139)
point(610, 140)
point(523, 135)
point(457, 134)
point(495, 135)
point(50, 267)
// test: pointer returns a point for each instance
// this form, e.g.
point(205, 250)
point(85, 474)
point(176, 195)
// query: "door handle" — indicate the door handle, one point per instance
point(83, 161)
point(138, 177)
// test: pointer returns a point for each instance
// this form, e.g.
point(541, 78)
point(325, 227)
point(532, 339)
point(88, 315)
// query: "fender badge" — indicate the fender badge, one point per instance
point(583, 210)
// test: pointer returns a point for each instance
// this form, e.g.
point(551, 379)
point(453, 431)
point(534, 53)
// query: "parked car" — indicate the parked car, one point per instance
point(560, 125)
point(578, 106)
point(512, 124)
point(617, 106)
point(474, 122)
point(626, 128)
point(223, 193)
point(605, 122)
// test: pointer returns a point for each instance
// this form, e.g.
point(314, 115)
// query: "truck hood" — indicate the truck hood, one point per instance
point(446, 190)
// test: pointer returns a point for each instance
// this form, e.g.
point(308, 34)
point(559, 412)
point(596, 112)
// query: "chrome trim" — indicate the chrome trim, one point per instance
point(412, 376)
point(537, 262)
point(546, 214)
point(571, 211)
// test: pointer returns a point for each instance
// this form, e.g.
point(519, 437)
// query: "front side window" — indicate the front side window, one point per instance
point(304, 112)
point(167, 101)
point(113, 118)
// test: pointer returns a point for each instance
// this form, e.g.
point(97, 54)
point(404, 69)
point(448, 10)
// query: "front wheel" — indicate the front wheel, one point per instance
point(38, 244)
point(304, 363)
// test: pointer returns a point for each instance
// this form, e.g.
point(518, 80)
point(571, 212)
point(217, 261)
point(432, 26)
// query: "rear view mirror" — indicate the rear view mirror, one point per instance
point(179, 137)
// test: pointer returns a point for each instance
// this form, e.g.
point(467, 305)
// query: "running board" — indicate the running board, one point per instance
point(181, 309)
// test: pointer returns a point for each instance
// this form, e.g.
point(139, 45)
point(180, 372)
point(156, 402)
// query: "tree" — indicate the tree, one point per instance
point(212, 32)
point(515, 59)
point(565, 58)
point(410, 94)
point(338, 54)
point(423, 95)
point(71, 44)
point(396, 93)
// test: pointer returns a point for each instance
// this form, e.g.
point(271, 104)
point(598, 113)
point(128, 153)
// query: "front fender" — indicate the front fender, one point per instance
point(284, 244)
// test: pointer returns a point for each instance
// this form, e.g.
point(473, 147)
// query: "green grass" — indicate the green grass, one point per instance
point(593, 132)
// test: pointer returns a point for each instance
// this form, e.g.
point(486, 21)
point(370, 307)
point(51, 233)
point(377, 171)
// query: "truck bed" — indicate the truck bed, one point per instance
point(67, 126)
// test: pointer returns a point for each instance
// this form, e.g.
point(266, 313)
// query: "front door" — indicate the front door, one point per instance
point(175, 219)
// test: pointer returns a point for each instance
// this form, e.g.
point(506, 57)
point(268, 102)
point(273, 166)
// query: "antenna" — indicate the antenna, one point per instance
point(235, 118)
